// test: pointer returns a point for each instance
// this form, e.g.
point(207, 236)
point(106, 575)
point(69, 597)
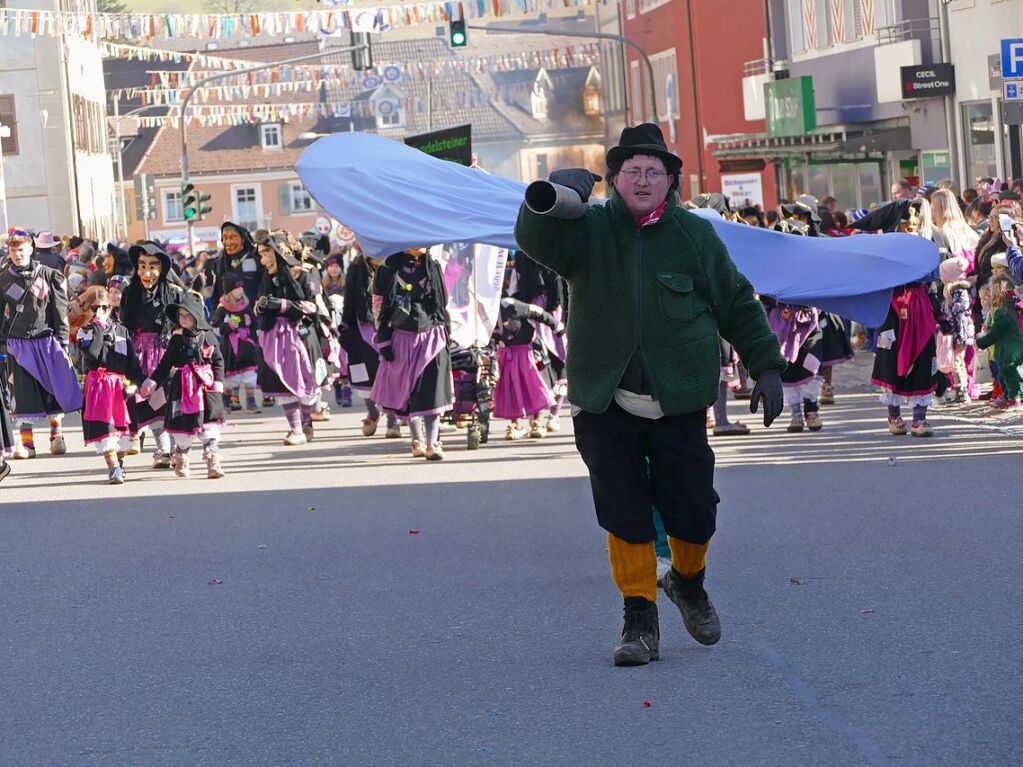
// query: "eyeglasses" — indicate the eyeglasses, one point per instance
point(97, 307)
point(635, 174)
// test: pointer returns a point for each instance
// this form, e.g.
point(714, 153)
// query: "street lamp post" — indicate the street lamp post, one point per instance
point(234, 73)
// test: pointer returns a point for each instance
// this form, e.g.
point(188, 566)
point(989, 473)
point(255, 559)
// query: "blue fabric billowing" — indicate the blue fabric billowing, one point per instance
point(394, 197)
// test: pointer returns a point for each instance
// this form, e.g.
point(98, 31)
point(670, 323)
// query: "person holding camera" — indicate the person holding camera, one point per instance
point(652, 287)
point(414, 378)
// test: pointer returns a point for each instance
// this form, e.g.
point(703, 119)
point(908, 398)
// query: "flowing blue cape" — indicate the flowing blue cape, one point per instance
point(395, 197)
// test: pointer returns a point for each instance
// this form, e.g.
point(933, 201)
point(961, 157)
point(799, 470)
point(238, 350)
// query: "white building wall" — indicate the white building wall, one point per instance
point(41, 188)
point(976, 28)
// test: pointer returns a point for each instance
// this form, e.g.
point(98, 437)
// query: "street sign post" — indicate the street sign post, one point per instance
point(1012, 90)
point(1012, 59)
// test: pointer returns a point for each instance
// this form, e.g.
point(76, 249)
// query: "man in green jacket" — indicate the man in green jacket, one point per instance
point(652, 287)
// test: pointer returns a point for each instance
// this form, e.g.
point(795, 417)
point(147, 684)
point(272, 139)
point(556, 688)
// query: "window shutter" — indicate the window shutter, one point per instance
point(284, 192)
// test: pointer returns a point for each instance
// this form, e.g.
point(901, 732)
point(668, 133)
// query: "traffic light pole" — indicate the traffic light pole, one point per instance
point(591, 35)
point(234, 73)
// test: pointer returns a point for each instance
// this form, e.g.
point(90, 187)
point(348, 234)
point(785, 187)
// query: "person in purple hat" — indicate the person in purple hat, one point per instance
point(35, 335)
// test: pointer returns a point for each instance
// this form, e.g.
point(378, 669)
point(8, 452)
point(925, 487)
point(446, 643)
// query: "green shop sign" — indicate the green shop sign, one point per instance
point(790, 107)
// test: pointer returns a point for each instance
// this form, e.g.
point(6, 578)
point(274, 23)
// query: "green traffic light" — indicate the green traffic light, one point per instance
point(458, 38)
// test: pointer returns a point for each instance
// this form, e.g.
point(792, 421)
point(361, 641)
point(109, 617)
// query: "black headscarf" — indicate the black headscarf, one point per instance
point(535, 280)
point(283, 284)
point(192, 303)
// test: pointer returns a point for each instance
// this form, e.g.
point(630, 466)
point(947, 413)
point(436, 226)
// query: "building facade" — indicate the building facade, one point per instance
point(57, 168)
point(697, 53)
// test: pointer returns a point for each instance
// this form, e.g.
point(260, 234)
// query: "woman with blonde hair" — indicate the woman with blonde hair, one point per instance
point(948, 219)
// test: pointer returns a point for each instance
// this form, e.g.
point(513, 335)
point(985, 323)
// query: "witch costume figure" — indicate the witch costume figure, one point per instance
point(238, 256)
point(523, 390)
point(192, 375)
point(235, 322)
point(153, 287)
point(538, 285)
point(291, 368)
point(799, 336)
point(7, 438)
point(835, 347)
point(34, 334)
point(357, 333)
point(113, 372)
point(906, 363)
point(413, 328)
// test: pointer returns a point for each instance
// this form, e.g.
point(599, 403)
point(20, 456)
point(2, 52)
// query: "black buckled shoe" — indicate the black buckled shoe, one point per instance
point(641, 635)
point(698, 612)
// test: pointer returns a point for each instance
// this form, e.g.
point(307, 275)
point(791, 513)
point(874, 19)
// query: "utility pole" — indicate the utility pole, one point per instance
point(590, 35)
point(950, 112)
point(235, 73)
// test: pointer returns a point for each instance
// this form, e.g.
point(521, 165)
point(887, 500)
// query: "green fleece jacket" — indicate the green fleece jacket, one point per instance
point(666, 290)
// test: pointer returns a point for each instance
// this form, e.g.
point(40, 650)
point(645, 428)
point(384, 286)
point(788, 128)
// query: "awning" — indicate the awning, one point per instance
point(829, 141)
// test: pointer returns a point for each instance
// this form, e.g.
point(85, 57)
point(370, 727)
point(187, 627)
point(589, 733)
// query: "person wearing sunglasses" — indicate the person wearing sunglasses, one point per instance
point(112, 371)
point(652, 287)
point(34, 333)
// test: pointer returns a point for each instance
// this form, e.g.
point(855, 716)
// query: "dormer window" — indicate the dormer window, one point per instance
point(270, 136)
point(591, 101)
point(388, 107)
point(538, 102)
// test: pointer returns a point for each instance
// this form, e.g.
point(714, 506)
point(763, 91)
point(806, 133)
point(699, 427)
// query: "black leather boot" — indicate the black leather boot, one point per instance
point(641, 635)
point(698, 612)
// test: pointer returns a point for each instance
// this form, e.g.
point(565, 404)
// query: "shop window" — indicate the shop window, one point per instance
point(979, 141)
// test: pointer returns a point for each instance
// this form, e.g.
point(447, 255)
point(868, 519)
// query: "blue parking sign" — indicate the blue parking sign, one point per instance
point(1011, 92)
point(1012, 59)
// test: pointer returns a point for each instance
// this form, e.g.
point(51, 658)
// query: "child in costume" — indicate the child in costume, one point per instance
point(1005, 334)
point(35, 334)
point(115, 288)
point(522, 389)
point(958, 313)
point(413, 327)
point(113, 371)
point(153, 287)
point(333, 283)
point(285, 312)
point(358, 327)
point(234, 321)
point(191, 372)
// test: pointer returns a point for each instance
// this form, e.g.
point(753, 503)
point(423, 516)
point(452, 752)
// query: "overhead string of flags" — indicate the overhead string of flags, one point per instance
point(356, 15)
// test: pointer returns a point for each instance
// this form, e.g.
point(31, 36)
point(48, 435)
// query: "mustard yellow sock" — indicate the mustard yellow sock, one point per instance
point(633, 567)
point(688, 558)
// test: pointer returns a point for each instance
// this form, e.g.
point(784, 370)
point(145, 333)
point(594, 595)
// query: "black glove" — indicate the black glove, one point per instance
point(769, 388)
point(271, 304)
point(579, 180)
point(387, 353)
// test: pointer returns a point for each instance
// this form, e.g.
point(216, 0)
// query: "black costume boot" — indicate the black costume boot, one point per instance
point(641, 635)
point(698, 612)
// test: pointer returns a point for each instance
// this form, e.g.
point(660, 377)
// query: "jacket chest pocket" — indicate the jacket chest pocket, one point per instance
point(675, 293)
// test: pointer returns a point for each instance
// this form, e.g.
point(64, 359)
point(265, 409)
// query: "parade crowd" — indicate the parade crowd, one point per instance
point(160, 347)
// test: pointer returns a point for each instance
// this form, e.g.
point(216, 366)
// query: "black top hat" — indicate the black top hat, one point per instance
point(643, 139)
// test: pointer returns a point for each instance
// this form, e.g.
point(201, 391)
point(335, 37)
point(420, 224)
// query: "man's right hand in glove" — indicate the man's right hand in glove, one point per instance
point(579, 180)
point(387, 353)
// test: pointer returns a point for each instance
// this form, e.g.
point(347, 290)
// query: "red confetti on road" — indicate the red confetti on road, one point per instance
point(413, 532)
point(648, 703)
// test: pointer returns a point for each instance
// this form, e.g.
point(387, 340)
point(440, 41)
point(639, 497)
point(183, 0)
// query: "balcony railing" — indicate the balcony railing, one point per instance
point(926, 30)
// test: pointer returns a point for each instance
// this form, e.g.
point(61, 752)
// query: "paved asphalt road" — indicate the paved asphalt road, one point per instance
point(870, 610)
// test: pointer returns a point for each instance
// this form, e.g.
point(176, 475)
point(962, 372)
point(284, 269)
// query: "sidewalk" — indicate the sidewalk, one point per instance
point(854, 376)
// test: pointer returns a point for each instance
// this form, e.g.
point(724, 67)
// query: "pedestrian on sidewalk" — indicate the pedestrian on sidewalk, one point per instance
point(652, 287)
point(1005, 334)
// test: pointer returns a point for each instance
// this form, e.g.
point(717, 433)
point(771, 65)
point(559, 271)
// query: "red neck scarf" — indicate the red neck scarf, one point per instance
point(653, 217)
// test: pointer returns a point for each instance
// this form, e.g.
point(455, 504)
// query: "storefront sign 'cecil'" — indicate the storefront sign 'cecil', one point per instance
point(921, 82)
